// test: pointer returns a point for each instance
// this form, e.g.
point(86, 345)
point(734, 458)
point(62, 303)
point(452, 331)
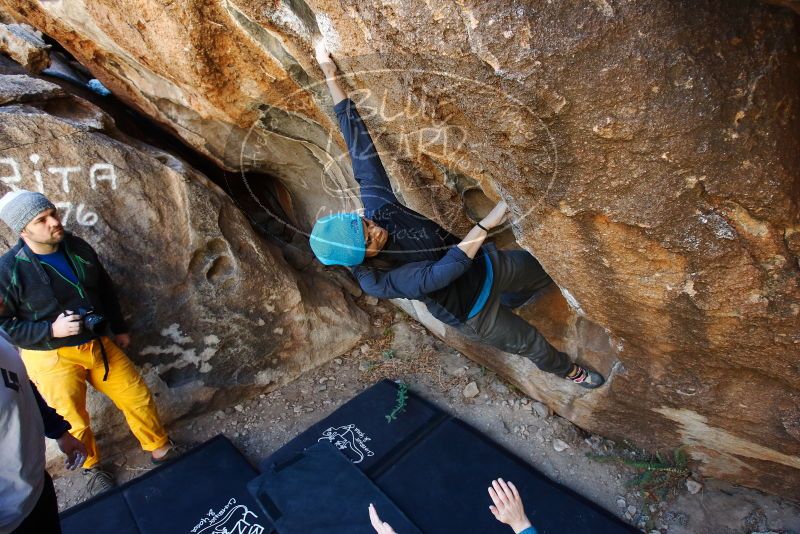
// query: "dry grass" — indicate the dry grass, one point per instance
point(385, 364)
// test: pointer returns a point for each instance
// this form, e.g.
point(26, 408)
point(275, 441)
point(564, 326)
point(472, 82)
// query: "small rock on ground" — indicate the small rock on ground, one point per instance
point(540, 409)
point(693, 486)
point(471, 390)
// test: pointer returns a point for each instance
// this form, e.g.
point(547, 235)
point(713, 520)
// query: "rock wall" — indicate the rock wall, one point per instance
point(649, 152)
point(214, 311)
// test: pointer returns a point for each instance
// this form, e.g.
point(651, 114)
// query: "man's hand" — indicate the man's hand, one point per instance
point(497, 216)
point(74, 449)
point(324, 59)
point(122, 340)
point(379, 526)
point(508, 505)
point(67, 324)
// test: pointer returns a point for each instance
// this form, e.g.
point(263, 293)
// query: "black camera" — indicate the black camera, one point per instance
point(92, 321)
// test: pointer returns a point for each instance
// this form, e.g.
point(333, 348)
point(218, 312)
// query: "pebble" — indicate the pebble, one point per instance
point(364, 348)
point(471, 390)
point(560, 445)
point(364, 365)
point(540, 409)
point(239, 408)
point(693, 486)
point(456, 370)
point(337, 361)
point(262, 396)
point(499, 387)
point(371, 301)
point(621, 503)
point(219, 415)
point(631, 509)
point(321, 388)
point(297, 409)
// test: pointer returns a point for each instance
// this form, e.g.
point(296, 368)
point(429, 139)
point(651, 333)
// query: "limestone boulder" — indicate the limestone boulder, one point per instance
point(648, 151)
point(215, 312)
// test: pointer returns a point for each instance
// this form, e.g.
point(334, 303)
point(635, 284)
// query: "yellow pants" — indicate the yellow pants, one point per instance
point(61, 376)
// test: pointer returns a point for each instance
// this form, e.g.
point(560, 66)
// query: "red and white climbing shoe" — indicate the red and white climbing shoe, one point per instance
point(585, 377)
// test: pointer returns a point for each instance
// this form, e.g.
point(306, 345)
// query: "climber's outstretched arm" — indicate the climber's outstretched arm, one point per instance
point(375, 188)
point(329, 69)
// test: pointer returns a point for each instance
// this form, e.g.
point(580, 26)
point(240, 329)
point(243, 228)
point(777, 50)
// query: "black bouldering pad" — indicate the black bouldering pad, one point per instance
point(105, 513)
point(359, 428)
point(321, 490)
point(434, 468)
point(202, 492)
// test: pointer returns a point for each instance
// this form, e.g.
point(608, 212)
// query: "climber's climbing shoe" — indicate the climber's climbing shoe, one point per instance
point(585, 377)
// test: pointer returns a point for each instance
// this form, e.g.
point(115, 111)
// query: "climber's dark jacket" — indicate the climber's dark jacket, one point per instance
point(420, 259)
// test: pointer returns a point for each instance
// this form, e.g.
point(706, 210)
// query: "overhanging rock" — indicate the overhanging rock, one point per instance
point(648, 151)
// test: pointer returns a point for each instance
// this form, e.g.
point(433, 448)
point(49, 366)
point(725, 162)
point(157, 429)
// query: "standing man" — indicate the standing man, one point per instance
point(60, 308)
point(395, 252)
point(27, 497)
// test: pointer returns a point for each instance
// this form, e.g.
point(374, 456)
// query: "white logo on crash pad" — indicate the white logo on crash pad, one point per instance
point(350, 440)
point(230, 519)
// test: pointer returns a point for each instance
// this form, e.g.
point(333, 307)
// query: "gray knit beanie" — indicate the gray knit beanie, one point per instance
point(18, 208)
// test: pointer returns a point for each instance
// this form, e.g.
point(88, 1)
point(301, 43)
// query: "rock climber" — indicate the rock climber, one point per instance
point(395, 252)
point(60, 308)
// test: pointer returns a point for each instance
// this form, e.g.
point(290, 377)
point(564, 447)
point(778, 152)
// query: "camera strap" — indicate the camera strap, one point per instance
point(105, 358)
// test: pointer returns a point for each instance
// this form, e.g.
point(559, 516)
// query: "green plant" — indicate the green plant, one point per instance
point(400, 404)
point(388, 354)
point(656, 475)
point(388, 333)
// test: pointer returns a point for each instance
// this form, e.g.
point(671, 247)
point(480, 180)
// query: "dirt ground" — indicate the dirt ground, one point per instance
point(404, 350)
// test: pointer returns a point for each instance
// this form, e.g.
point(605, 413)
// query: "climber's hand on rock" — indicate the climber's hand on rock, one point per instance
point(324, 59)
point(497, 216)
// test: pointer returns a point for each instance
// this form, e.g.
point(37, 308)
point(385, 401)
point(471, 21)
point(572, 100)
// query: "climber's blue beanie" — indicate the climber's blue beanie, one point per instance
point(338, 239)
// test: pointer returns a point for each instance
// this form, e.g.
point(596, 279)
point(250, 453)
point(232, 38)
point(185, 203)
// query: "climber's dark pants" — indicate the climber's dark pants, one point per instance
point(517, 276)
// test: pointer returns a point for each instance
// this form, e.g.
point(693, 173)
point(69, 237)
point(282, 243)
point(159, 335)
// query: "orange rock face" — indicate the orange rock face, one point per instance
point(650, 154)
